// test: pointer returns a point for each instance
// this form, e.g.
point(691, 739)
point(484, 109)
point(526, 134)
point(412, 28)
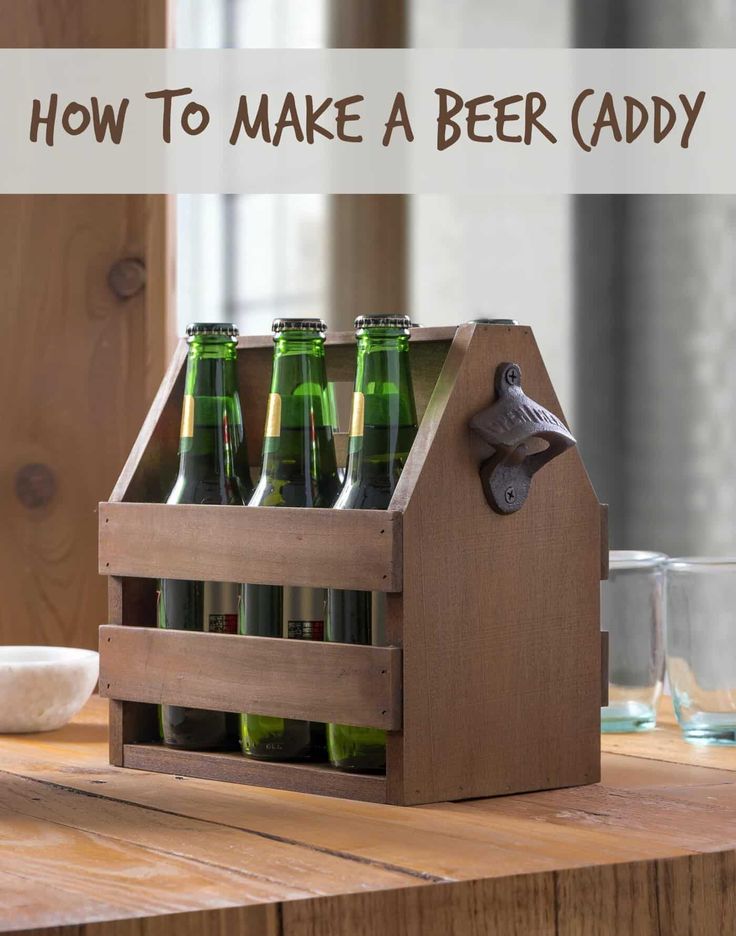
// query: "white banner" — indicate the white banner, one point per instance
point(367, 121)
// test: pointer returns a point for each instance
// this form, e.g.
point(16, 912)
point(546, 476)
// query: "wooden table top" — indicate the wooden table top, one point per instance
point(651, 849)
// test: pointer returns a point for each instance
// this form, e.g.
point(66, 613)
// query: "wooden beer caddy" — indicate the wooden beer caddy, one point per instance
point(491, 682)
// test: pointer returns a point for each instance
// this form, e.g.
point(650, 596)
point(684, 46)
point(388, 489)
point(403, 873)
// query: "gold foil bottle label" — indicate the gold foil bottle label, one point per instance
point(273, 417)
point(187, 417)
point(358, 415)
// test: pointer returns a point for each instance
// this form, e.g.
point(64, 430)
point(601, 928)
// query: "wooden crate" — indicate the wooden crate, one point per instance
point(491, 682)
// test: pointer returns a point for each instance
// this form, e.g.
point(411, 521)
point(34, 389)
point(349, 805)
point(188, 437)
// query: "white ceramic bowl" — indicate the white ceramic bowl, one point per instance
point(41, 688)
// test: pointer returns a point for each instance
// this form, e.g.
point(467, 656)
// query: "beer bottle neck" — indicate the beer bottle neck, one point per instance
point(384, 419)
point(298, 444)
point(211, 425)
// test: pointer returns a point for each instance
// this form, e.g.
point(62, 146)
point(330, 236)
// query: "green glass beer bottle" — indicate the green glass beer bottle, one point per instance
point(299, 469)
point(213, 469)
point(382, 428)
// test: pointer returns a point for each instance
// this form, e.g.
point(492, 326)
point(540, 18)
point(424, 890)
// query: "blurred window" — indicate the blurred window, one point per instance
point(248, 258)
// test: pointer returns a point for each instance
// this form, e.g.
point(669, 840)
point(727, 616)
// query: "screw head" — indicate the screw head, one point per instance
point(509, 495)
point(512, 376)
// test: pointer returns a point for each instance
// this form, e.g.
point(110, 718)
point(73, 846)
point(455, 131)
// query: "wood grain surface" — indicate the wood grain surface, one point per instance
point(313, 680)
point(649, 850)
point(270, 545)
point(79, 364)
point(499, 615)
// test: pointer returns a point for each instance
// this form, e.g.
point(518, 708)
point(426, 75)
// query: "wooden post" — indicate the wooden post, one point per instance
point(368, 251)
point(87, 317)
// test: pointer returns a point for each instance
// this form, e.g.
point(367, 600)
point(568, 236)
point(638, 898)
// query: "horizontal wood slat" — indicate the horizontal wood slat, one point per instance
point(343, 683)
point(350, 549)
point(418, 335)
point(234, 768)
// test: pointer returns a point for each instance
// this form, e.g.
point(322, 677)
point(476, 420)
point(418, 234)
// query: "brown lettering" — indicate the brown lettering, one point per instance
point(474, 117)
point(190, 111)
point(606, 118)
point(575, 118)
point(243, 122)
point(691, 114)
point(660, 130)
point(399, 117)
point(536, 105)
point(70, 112)
point(108, 121)
point(444, 120)
point(343, 117)
point(632, 106)
point(502, 118)
point(313, 116)
point(49, 119)
point(167, 95)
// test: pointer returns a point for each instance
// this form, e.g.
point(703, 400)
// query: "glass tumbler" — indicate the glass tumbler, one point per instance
point(701, 647)
point(632, 612)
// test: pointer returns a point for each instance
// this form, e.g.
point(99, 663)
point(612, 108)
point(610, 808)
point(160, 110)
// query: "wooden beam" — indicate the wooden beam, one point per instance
point(320, 548)
point(369, 233)
point(84, 349)
point(329, 682)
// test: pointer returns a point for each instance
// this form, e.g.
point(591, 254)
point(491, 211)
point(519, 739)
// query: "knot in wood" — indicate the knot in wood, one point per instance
point(35, 485)
point(127, 277)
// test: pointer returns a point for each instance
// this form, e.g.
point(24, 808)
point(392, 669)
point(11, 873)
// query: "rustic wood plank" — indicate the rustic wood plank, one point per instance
point(596, 859)
point(694, 894)
point(512, 906)
point(442, 840)
point(119, 878)
point(302, 778)
point(345, 683)
point(517, 843)
point(500, 618)
point(101, 354)
point(419, 336)
point(271, 868)
point(358, 549)
point(233, 921)
point(620, 771)
point(666, 818)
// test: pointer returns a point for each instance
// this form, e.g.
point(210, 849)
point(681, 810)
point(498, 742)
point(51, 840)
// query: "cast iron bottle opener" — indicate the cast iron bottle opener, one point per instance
point(508, 426)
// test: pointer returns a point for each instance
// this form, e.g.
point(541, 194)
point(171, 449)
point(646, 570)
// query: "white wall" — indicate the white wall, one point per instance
point(493, 257)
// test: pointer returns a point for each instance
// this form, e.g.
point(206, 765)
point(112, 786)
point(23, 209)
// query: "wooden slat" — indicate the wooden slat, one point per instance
point(302, 778)
point(152, 486)
point(433, 333)
point(358, 549)
point(328, 682)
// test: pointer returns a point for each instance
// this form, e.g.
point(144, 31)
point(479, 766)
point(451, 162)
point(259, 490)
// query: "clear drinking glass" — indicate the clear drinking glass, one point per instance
point(701, 647)
point(632, 612)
